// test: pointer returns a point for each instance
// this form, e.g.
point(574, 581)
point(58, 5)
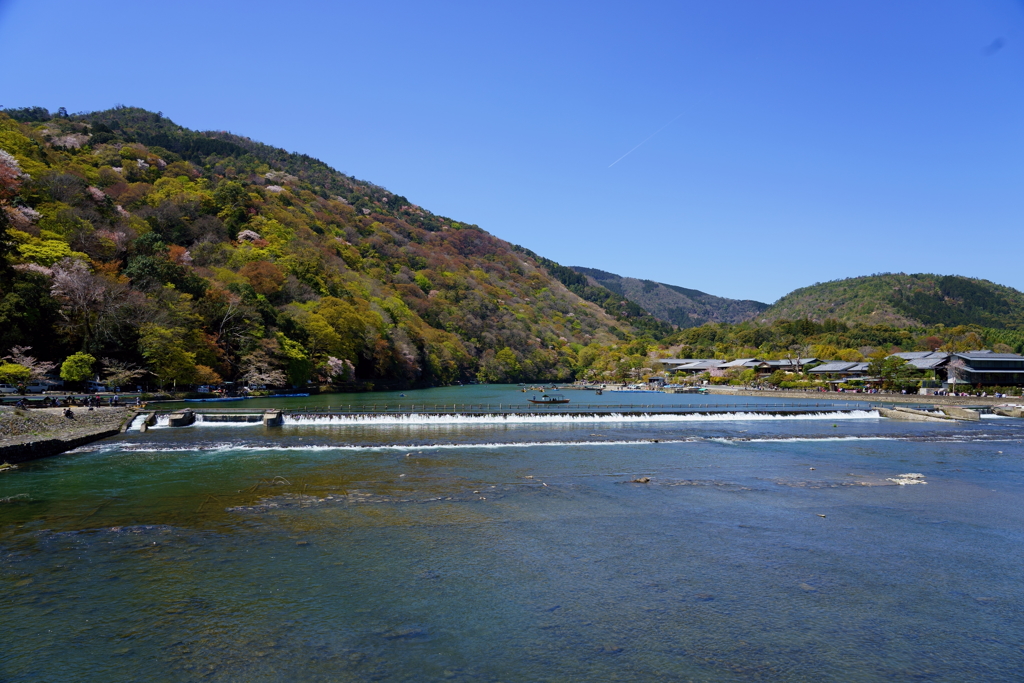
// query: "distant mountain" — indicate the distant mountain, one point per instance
point(677, 305)
point(904, 301)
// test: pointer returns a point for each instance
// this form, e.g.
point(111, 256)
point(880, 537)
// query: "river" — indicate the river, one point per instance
point(475, 548)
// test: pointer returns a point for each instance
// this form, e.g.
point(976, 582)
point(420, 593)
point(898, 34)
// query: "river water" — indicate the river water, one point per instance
point(468, 548)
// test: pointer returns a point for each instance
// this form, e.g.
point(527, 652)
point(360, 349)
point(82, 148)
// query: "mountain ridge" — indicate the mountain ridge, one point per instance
point(904, 300)
point(679, 306)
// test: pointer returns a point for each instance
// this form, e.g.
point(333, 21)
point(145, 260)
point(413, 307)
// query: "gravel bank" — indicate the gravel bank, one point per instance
point(39, 424)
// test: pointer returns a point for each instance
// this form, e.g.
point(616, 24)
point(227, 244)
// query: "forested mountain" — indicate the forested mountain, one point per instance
point(904, 300)
point(205, 256)
point(676, 305)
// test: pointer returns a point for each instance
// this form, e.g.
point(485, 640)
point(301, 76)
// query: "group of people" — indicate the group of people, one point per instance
point(68, 401)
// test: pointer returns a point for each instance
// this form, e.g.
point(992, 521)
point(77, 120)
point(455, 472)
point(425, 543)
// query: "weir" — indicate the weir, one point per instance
point(383, 414)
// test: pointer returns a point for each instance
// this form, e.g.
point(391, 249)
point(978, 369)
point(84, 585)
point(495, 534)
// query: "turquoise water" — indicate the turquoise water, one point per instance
point(768, 549)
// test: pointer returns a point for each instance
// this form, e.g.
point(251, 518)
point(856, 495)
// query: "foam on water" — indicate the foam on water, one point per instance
point(490, 445)
point(567, 418)
point(136, 424)
point(428, 419)
point(230, 447)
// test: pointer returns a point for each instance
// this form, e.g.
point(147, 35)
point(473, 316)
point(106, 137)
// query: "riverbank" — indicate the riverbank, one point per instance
point(41, 432)
point(863, 398)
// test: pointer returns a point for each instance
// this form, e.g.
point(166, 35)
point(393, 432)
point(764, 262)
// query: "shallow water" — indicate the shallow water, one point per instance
point(764, 549)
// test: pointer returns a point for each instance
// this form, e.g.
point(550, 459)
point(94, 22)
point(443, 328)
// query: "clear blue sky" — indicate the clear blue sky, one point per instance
point(806, 140)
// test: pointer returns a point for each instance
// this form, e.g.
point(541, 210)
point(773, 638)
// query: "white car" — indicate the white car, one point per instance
point(38, 386)
point(8, 389)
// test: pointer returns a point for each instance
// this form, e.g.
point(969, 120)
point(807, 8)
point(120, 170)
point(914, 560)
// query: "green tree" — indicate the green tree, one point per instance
point(164, 350)
point(500, 368)
point(233, 201)
point(896, 373)
point(77, 367)
point(297, 364)
point(12, 373)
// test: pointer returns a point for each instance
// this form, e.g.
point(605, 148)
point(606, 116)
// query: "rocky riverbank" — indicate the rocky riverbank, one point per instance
point(41, 432)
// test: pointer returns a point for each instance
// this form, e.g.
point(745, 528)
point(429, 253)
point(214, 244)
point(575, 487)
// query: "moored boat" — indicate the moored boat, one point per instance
point(549, 399)
point(215, 400)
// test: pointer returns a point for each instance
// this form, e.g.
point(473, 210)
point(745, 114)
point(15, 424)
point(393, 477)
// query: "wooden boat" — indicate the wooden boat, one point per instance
point(547, 399)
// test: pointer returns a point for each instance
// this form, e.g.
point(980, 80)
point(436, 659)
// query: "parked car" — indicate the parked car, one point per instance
point(8, 389)
point(38, 386)
point(96, 386)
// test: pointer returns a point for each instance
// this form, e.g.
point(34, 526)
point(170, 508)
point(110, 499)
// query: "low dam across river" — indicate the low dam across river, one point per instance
point(385, 413)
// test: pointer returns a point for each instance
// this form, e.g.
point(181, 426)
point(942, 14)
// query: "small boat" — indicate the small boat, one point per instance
point(288, 396)
point(215, 400)
point(549, 399)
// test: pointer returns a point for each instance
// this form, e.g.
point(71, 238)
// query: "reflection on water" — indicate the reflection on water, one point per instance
point(756, 550)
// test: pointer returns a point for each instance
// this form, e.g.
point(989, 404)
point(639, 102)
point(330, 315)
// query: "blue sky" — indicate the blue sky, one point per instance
point(805, 140)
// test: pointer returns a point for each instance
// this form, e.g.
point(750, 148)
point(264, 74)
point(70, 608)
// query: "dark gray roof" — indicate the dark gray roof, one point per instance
point(994, 371)
point(742, 363)
point(703, 365)
point(988, 355)
point(840, 367)
point(928, 363)
point(913, 355)
point(679, 361)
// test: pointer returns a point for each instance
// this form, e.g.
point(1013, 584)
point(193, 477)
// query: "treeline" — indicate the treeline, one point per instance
point(832, 340)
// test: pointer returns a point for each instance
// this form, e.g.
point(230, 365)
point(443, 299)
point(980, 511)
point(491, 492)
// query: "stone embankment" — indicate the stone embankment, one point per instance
point(42, 432)
point(870, 398)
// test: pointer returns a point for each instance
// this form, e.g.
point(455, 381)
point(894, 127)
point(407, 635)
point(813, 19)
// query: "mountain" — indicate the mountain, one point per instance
point(904, 300)
point(676, 305)
point(200, 256)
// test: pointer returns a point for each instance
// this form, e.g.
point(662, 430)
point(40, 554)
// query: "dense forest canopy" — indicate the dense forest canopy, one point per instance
point(905, 300)
point(206, 256)
point(141, 251)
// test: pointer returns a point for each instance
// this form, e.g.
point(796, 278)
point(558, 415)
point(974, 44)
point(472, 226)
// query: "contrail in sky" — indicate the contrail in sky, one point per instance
point(645, 140)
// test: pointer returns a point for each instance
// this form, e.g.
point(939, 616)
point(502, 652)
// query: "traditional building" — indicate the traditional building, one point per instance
point(985, 368)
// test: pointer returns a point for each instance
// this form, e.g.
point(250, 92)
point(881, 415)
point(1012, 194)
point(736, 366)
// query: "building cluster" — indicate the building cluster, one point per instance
point(971, 368)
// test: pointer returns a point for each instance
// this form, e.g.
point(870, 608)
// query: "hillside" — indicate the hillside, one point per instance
point(676, 305)
point(206, 256)
point(904, 301)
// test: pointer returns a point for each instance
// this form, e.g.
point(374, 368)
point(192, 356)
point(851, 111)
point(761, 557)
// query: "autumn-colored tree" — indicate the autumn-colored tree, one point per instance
point(206, 375)
point(264, 276)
